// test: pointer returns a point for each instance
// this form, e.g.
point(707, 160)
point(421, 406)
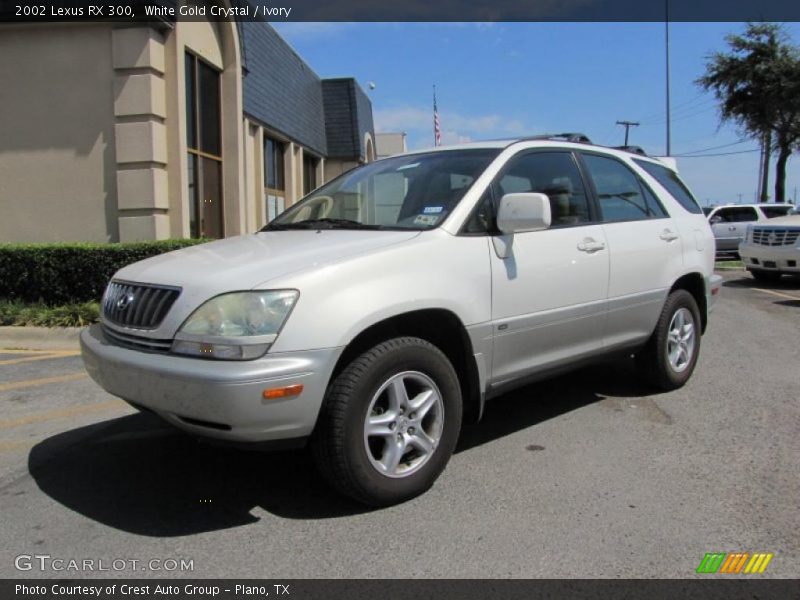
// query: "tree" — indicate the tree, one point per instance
point(757, 84)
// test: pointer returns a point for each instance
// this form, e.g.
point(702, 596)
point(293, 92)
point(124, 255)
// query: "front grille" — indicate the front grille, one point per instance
point(775, 236)
point(137, 305)
point(137, 342)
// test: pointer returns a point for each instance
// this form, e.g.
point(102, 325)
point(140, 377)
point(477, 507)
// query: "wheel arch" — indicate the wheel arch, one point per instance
point(440, 327)
point(695, 284)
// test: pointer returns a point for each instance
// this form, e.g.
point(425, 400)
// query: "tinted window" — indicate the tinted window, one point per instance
point(775, 211)
point(671, 182)
point(736, 214)
point(273, 164)
point(209, 109)
point(554, 174)
point(619, 192)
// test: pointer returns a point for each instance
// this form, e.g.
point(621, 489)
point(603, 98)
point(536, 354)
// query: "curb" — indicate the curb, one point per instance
point(40, 338)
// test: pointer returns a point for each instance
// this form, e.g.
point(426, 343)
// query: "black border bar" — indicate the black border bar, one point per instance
point(32, 11)
point(732, 588)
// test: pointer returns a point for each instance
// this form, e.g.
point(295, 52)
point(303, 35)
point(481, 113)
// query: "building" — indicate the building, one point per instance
point(164, 130)
point(389, 144)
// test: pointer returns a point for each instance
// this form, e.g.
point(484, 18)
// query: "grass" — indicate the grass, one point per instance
point(79, 314)
point(729, 264)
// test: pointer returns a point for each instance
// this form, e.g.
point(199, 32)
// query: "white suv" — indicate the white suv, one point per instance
point(375, 315)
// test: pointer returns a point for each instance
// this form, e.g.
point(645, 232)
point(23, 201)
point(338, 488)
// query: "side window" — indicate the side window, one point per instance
point(482, 219)
point(735, 214)
point(652, 202)
point(775, 211)
point(554, 174)
point(672, 183)
point(619, 192)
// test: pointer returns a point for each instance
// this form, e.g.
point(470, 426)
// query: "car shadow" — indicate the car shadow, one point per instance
point(139, 475)
point(784, 283)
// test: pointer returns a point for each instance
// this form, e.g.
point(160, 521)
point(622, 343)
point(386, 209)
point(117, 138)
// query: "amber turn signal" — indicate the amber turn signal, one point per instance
point(283, 392)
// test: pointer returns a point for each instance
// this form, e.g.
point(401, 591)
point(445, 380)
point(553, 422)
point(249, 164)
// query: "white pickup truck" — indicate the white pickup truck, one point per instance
point(374, 316)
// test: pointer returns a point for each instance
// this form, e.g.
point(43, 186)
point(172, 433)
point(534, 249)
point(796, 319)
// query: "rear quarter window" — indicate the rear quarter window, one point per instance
point(670, 181)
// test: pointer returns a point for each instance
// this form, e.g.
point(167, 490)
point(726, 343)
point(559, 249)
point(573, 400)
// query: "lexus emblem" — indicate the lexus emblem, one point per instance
point(124, 301)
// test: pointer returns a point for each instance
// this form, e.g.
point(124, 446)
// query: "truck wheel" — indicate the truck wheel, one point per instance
point(670, 356)
point(389, 422)
point(768, 276)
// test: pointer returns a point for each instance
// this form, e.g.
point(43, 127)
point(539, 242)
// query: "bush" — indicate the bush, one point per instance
point(57, 274)
point(15, 312)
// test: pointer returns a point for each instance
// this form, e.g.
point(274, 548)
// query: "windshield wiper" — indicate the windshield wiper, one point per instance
point(321, 224)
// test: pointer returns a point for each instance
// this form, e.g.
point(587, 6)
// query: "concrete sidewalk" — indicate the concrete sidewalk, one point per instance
point(40, 338)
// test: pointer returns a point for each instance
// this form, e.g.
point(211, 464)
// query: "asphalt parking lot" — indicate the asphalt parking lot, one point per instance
point(588, 475)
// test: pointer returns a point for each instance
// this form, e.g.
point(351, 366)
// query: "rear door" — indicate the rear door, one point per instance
point(549, 293)
point(645, 249)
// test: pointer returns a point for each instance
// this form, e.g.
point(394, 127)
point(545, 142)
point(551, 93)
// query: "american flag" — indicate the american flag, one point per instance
point(437, 132)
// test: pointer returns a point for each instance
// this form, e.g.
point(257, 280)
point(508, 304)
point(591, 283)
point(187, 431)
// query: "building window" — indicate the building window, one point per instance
point(204, 143)
point(309, 173)
point(273, 164)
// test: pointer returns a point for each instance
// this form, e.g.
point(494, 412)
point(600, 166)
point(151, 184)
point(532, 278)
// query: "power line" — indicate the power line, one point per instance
point(717, 154)
point(742, 141)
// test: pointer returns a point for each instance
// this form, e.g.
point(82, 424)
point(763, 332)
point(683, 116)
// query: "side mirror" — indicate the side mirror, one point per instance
point(519, 213)
point(715, 220)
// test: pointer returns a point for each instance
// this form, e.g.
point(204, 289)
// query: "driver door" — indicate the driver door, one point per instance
point(549, 293)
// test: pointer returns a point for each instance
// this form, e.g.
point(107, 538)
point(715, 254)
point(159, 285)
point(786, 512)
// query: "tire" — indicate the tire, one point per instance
point(662, 363)
point(767, 276)
point(390, 463)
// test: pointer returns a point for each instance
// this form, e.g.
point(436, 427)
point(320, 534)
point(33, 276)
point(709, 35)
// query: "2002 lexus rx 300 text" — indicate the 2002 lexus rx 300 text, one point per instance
point(374, 316)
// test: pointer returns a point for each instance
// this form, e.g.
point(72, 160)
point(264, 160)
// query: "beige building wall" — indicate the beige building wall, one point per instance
point(58, 179)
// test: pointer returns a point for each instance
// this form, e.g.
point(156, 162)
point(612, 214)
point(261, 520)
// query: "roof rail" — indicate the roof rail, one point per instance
point(578, 138)
point(632, 149)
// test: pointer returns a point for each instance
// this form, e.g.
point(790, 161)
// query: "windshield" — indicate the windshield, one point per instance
point(406, 192)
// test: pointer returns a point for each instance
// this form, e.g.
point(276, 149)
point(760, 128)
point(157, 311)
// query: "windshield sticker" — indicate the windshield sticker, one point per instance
point(433, 210)
point(425, 220)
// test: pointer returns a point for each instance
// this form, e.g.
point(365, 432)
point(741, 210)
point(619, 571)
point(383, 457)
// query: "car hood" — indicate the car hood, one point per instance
point(251, 261)
point(782, 221)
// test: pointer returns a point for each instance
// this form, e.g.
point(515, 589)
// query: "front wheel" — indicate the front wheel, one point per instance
point(389, 422)
point(671, 354)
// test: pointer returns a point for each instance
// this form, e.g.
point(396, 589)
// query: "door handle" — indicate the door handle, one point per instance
point(590, 245)
point(668, 236)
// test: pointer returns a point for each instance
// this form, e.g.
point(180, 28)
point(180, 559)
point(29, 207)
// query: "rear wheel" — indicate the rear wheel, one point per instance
point(768, 276)
point(389, 423)
point(670, 356)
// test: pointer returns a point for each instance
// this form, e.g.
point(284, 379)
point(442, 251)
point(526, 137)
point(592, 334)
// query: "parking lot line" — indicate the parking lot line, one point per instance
point(49, 356)
point(61, 413)
point(779, 294)
point(17, 385)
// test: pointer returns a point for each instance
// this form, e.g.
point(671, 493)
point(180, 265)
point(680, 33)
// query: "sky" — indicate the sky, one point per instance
point(500, 80)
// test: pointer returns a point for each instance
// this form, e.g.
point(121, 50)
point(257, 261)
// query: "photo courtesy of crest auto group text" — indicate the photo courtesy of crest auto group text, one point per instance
point(346, 299)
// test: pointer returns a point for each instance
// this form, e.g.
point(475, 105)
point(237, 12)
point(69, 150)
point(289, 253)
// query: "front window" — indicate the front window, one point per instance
point(404, 192)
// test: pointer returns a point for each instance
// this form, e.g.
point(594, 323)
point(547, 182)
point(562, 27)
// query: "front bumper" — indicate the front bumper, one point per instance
point(786, 259)
point(218, 399)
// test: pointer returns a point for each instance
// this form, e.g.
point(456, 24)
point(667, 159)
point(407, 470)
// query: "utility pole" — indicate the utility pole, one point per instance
point(666, 48)
point(627, 125)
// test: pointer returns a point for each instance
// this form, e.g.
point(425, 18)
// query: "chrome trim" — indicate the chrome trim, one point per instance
point(137, 305)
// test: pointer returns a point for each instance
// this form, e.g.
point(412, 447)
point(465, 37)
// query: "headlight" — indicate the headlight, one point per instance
point(236, 326)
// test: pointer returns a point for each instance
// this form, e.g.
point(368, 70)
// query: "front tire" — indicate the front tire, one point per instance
point(389, 422)
point(668, 360)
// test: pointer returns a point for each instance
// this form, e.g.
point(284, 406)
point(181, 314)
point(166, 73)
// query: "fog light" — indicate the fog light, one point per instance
point(283, 392)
